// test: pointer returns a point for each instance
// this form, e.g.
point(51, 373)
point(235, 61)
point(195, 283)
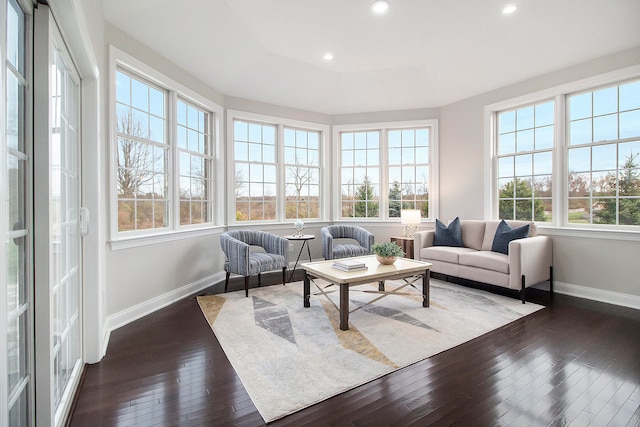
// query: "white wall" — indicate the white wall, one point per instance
point(591, 266)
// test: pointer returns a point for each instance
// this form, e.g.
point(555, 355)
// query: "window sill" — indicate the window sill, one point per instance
point(589, 233)
point(170, 236)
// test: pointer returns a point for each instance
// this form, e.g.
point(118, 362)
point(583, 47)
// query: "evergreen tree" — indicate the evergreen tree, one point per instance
point(365, 207)
point(395, 200)
point(628, 185)
point(523, 207)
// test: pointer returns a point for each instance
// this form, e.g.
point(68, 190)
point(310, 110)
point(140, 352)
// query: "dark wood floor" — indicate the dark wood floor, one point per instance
point(575, 363)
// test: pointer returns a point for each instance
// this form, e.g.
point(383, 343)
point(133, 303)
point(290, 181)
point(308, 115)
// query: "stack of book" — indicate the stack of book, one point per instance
point(349, 265)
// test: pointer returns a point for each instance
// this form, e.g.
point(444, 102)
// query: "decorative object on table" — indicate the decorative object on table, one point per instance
point(299, 226)
point(410, 218)
point(349, 265)
point(387, 252)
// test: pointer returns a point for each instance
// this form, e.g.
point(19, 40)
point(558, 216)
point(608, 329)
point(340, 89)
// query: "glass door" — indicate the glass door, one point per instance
point(65, 239)
point(16, 299)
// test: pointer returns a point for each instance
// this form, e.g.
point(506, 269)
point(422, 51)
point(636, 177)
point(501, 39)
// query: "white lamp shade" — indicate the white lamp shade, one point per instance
point(410, 216)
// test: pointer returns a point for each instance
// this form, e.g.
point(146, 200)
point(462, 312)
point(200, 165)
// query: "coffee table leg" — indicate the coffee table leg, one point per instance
point(344, 307)
point(307, 290)
point(425, 289)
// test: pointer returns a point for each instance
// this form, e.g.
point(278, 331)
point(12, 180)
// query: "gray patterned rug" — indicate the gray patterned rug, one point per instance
point(289, 357)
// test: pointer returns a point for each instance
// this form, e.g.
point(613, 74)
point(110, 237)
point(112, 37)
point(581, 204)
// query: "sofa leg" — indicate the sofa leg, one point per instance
point(246, 286)
point(284, 275)
point(551, 283)
point(259, 279)
point(226, 282)
point(523, 288)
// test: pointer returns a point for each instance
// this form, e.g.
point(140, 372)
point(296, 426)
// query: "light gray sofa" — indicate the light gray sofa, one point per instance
point(529, 261)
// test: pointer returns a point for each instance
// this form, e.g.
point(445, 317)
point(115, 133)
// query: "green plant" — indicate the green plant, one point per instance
point(387, 249)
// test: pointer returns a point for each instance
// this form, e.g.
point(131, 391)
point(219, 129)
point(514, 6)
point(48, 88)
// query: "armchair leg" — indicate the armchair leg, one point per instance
point(522, 291)
point(284, 275)
point(259, 280)
point(226, 282)
point(246, 286)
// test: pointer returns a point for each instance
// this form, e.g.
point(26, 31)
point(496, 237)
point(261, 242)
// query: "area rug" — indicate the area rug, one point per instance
point(290, 357)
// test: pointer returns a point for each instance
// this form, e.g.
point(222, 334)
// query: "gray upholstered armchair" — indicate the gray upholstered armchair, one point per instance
point(240, 259)
point(330, 250)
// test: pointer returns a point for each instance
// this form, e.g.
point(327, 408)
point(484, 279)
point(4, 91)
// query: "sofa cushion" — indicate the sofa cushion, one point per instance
point(473, 233)
point(505, 234)
point(487, 260)
point(450, 235)
point(443, 253)
point(492, 226)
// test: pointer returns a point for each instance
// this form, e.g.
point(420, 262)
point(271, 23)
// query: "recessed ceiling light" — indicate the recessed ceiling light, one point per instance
point(380, 6)
point(327, 56)
point(510, 8)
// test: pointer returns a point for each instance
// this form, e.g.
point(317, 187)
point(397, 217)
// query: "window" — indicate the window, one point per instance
point(583, 144)
point(360, 174)
point(604, 156)
point(195, 163)
point(255, 171)
point(409, 166)
point(302, 173)
point(143, 153)
point(163, 153)
point(277, 167)
point(387, 168)
point(524, 150)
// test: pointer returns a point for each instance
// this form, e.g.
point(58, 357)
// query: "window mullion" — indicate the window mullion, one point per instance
point(560, 180)
point(174, 176)
point(281, 178)
point(383, 210)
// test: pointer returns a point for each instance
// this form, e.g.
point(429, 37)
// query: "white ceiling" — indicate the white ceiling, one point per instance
point(422, 53)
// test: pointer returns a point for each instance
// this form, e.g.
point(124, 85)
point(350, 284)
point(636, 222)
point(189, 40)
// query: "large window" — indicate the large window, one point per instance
point(302, 173)
point(255, 171)
point(163, 153)
point(594, 160)
point(277, 169)
point(604, 156)
point(195, 165)
point(386, 168)
point(360, 174)
point(143, 153)
point(524, 151)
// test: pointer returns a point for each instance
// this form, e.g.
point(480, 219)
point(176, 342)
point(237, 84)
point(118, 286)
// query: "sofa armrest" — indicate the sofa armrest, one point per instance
point(422, 239)
point(278, 245)
point(531, 257)
point(237, 254)
point(327, 243)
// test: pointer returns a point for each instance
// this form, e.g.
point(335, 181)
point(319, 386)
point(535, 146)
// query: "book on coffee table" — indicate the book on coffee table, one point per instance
point(349, 265)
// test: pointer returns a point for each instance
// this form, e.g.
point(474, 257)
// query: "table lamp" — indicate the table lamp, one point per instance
point(410, 218)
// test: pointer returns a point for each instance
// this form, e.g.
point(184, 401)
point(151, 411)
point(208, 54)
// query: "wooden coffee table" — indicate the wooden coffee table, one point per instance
point(403, 268)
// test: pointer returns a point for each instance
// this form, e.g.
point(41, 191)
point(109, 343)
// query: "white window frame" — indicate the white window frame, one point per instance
point(384, 127)
point(280, 123)
point(559, 224)
point(126, 239)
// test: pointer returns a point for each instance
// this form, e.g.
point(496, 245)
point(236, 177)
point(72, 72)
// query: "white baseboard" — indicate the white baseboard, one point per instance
point(127, 316)
point(609, 297)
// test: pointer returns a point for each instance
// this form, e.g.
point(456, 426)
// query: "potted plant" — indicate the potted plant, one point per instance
point(387, 252)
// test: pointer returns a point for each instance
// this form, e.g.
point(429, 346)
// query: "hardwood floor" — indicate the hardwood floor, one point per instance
point(575, 363)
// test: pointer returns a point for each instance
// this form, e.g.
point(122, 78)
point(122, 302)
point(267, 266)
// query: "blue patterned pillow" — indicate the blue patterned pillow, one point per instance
point(505, 234)
point(448, 235)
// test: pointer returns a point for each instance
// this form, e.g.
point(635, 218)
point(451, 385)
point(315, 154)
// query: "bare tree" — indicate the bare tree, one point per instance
point(299, 177)
point(135, 159)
